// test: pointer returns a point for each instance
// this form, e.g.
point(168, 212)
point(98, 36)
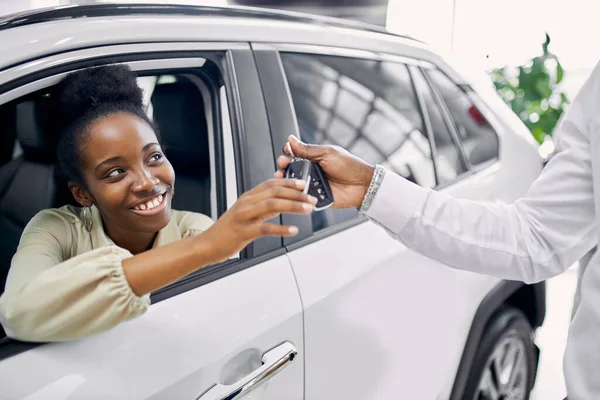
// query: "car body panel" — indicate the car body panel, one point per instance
point(178, 349)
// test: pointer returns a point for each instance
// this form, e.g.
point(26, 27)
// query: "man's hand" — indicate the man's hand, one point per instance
point(349, 176)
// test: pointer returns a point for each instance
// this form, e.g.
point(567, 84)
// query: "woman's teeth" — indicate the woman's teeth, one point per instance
point(150, 204)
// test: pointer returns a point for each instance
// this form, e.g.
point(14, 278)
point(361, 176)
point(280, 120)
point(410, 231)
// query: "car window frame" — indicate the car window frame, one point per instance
point(280, 130)
point(448, 119)
point(449, 124)
point(489, 114)
point(39, 74)
point(473, 169)
point(472, 95)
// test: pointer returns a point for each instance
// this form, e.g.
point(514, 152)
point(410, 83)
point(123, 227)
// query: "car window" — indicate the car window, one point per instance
point(449, 160)
point(182, 104)
point(368, 107)
point(479, 139)
point(176, 104)
point(9, 146)
point(10, 154)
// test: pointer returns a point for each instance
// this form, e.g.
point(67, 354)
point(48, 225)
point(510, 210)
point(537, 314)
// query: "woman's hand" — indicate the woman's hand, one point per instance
point(349, 176)
point(245, 220)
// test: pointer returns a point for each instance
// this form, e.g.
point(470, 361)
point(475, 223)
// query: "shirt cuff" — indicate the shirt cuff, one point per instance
point(396, 202)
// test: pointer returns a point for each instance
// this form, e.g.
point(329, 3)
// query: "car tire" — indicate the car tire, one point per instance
point(504, 366)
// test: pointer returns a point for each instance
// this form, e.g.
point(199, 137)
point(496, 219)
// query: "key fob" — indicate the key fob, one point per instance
point(299, 169)
point(319, 187)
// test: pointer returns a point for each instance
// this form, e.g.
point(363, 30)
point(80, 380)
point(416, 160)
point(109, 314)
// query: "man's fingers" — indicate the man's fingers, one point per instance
point(294, 147)
point(283, 161)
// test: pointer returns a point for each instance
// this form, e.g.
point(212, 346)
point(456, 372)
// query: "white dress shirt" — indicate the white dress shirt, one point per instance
point(536, 238)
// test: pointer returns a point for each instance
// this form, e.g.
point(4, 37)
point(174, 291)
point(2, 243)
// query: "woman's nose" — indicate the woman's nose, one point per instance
point(145, 181)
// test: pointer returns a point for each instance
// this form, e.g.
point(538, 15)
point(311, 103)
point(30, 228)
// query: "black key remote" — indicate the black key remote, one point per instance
point(319, 187)
point(300, 169)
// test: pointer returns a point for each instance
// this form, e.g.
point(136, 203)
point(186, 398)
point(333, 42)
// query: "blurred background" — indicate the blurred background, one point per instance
point(537, 54)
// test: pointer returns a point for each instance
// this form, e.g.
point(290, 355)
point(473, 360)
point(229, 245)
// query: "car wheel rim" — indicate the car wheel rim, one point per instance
point(505, 374)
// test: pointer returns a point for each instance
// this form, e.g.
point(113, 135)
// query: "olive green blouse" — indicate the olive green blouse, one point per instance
point(66, 283)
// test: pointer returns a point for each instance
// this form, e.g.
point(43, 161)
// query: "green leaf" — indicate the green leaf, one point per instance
point(538, 134)
point(559, 72)
point(544, 90)
point(532, 86)
point(546, 43)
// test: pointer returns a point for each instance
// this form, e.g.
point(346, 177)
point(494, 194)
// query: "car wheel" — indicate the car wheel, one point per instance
point(504, 365)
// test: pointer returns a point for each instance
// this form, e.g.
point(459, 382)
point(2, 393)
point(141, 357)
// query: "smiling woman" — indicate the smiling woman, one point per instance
point(82, 270)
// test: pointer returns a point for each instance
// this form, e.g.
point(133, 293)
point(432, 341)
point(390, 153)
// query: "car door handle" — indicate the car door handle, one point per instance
point(273, 362)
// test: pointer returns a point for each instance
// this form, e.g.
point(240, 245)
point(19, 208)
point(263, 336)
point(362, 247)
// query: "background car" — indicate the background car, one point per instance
point(342, 310)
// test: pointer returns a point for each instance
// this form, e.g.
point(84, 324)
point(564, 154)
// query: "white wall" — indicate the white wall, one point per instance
point(494, 33)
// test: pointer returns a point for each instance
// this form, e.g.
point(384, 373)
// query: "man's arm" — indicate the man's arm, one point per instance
point(537, 237)
point(533, 239)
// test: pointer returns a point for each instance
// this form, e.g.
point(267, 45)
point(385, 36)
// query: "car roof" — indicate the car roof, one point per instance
point(33, 34)
point(30, 35)
point(108, 10)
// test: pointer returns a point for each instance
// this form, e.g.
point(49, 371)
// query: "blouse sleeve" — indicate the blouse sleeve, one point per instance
point(51, 298)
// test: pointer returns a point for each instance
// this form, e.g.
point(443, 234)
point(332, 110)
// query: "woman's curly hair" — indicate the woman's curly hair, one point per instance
point(85, 96)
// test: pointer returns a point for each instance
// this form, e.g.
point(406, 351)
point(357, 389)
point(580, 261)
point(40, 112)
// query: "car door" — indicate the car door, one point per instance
point(227, 331)
point(380, 320)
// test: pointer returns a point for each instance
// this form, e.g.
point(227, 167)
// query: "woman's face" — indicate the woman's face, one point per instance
point(127, 175)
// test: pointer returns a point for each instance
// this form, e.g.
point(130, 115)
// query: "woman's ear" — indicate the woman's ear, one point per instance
point(81, 195)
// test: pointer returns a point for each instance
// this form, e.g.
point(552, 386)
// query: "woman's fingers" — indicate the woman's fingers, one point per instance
point(268, 229)
point(272, 207)
point(282, 192)
point(290, 189)
point(267, 200)
point(273, 183)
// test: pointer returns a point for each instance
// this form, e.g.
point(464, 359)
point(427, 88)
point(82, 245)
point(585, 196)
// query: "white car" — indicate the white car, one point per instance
point(342, 311)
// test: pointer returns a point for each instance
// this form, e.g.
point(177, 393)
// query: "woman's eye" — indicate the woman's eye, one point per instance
point(115, 172)
point(156, 157)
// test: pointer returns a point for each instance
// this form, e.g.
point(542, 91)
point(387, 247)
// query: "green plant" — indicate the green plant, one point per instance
point(533, 93)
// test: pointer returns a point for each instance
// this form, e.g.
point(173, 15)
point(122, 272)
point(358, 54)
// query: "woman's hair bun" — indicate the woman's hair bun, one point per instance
point(95, 88)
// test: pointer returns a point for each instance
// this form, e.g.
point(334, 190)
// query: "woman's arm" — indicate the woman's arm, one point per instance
point(240, 225)
point(50, 298)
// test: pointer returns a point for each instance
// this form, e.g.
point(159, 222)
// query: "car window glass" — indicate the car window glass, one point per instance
point(479, 139)
point(368, 107)
point(449, 162)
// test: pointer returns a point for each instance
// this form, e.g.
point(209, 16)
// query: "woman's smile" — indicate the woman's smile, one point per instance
point(151, 206)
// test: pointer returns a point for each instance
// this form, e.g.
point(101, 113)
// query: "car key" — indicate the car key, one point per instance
point(319, 188)
point(315, 178)
point(299, 169)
